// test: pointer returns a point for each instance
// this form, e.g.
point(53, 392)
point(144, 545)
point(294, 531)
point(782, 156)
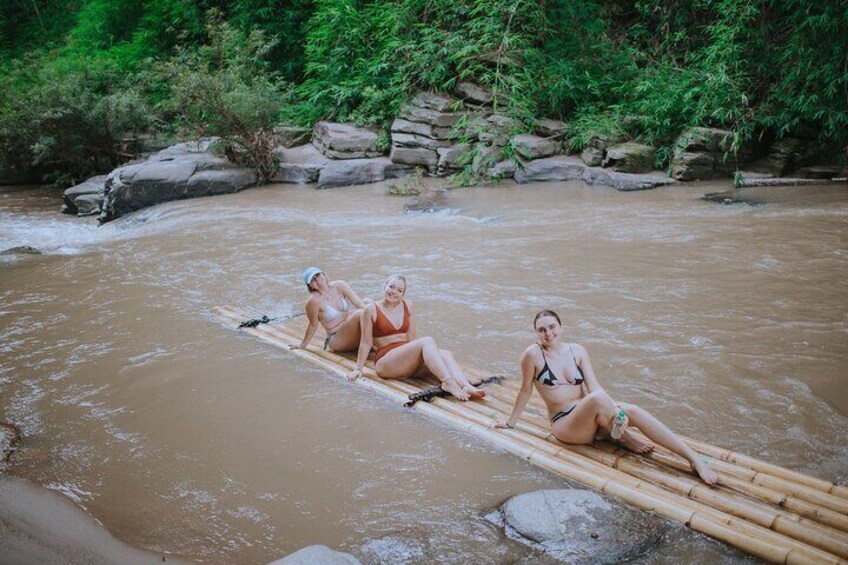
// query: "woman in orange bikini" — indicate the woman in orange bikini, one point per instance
point(389, 328)
point(577, 405)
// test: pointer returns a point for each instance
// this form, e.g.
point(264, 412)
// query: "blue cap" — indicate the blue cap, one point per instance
point(309, 274)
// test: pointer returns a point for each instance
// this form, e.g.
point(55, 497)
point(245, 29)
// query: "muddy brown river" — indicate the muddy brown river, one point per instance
point(729, 322)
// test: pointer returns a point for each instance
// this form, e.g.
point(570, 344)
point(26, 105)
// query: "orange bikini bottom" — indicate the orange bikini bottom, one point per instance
point(386, 348)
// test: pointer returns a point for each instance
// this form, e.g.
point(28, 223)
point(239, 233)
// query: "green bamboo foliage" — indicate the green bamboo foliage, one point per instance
point(632, 70)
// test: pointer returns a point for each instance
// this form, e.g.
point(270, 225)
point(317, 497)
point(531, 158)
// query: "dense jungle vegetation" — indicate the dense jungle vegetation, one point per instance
point(80, 77)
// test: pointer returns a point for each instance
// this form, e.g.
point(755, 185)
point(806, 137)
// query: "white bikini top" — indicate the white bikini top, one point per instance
point(331, 313)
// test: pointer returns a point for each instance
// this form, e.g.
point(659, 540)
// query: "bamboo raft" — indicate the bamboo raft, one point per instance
point(776, 514)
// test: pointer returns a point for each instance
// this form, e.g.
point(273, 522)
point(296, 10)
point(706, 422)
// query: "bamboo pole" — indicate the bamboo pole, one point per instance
point(537, 454)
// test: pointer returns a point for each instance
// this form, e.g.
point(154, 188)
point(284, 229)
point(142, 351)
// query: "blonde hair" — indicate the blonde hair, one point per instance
point(393, 278)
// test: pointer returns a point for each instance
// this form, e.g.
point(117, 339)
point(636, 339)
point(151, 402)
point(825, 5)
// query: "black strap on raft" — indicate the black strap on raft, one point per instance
point(253, 322)
point(436, 391)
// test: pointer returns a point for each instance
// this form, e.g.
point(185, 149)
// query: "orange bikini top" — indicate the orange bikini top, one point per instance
point(383, 326)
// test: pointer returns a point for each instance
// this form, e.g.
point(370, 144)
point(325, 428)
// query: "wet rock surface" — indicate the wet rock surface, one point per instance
point(21, 250)
point(10, 437)
point(185, 170)
point(579, 526)
point(564, 168)
point(85, 198)
point(317, 555)
point(427, 202)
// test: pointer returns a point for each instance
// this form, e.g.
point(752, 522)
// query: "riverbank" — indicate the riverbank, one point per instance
point(40, 526)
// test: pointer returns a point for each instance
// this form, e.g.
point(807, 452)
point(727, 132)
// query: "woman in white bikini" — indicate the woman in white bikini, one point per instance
point(388, 327)
point(330, 305)
point(577, 405)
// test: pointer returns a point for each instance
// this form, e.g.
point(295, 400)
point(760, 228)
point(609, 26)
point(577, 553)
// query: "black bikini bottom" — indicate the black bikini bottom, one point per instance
point(563, 413)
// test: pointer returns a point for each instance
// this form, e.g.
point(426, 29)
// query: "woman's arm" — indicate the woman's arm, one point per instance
point(583, 361)
point(366, 325)
point(413, 328)
point(350, 295)
point(312, 311)
point(528, 370)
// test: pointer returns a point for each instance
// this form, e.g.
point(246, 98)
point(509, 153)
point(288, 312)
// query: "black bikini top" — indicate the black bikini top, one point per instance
point(547, 377)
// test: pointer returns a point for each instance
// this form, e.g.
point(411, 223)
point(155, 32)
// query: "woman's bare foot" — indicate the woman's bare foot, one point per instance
point(474, 393)
point(707, 474)
point(452, 387)
point(634, 444)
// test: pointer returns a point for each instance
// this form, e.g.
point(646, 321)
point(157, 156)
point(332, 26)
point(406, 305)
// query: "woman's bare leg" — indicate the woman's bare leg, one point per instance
point(458, 374)
point(346, 336)
point(406, 360)
point(659, 432)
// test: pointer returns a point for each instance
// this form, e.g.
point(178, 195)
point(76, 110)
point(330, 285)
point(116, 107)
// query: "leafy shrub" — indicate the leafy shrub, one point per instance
point(64, 126)
point(226, 89)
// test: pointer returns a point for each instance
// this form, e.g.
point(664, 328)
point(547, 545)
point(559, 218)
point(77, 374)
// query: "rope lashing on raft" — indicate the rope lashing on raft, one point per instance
point(436, 391)
point(253, 322)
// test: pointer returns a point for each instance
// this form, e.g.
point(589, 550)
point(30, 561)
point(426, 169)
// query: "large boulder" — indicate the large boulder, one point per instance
point(691, 165)
point(345, 141)
point(559, 168)
point(629, 158)
point(317, 555)
point(625, 182)
point(93, 187)
point(353, 172)
point(415, 156)
point(186, 170)
point(299, 165)
point(580, 526)
point(595, 150)
point(704, 153)
point(532, 147)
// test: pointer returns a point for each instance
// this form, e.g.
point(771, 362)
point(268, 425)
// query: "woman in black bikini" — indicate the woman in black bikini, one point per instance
point(577, 404)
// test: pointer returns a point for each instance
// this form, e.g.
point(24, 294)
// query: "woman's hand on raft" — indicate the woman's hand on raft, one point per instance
point(353, 375)
point(503, 424)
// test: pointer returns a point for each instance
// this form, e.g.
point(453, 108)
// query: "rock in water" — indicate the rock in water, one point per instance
point(10, 436)
point(317, 555)
point(580, 526)
point(21, 250)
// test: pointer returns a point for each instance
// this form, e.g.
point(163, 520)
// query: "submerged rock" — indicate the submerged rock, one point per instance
point(10, 437)
point(396, 548)
point(317, 555)
point(427, 202)
point(580, 526)
point(21, 250)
